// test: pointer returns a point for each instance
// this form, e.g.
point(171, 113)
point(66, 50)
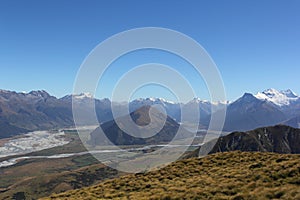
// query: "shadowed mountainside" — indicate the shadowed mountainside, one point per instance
point(140, 117)
point(279, 139)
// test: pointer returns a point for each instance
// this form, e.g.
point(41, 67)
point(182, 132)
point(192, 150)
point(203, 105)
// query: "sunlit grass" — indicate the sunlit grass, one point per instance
point(232, 175)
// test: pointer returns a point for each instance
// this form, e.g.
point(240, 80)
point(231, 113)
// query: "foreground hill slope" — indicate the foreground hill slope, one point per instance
point(230, 175)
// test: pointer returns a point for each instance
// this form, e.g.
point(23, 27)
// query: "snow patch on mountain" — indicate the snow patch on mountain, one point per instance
point(83, 95)
point(79, 97)
point(280, 98)
point(198, 100)
point(153, 100)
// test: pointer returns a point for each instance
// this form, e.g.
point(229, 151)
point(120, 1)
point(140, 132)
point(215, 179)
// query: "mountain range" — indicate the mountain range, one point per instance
point(36, 110)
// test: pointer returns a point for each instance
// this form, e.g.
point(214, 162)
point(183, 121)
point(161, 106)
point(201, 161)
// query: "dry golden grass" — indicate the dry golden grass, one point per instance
point(232, 175)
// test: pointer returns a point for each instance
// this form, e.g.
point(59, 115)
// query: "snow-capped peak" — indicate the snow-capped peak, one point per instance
point(226, 102)
point(197, 100)
point(84, 95)
point(152, 99)
point(280, 98)
point(78, 97)
point(289, 93)
point(38, 93)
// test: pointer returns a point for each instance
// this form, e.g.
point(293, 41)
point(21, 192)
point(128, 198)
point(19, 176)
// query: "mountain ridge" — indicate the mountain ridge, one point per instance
point(276, 139)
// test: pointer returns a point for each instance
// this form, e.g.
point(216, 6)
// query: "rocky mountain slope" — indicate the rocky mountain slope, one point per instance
point(279, 139)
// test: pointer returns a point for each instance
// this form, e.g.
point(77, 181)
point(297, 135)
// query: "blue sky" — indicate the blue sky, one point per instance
point(255, 44)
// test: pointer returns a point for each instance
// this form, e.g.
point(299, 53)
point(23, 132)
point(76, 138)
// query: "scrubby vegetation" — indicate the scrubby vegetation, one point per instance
point(232, 175)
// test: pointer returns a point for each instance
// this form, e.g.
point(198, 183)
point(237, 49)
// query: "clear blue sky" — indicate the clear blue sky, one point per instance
point(255, 44)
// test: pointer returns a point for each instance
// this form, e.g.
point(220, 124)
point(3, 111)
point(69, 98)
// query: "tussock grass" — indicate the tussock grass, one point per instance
point(231, 175)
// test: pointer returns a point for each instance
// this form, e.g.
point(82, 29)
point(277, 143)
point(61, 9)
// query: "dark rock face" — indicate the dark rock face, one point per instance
point(279, 139)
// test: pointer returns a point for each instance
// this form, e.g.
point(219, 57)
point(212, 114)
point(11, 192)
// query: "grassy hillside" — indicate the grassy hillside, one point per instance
point(231, 175)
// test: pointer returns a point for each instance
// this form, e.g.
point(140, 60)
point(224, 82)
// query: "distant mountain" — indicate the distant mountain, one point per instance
point(172, 108)
point(267, 108)
point(84, 103)
point(249, 112)
point(279, 98)
point(293, 122)
point(140, 117)
point(279, 139)
point(206, 108)
point(22, 112)
point(78, 97)
point(285, 100)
